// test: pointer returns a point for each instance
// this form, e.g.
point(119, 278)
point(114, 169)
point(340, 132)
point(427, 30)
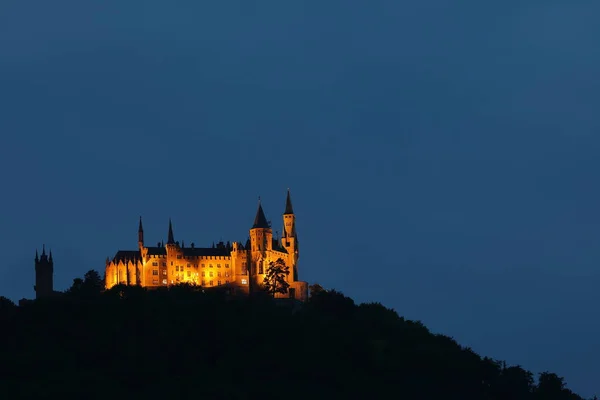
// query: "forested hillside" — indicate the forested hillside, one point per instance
point(185, 342)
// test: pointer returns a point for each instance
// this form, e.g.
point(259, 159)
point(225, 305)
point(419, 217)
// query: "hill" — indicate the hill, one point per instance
point(185, 342)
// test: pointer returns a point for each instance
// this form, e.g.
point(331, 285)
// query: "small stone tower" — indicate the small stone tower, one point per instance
point(44, 274)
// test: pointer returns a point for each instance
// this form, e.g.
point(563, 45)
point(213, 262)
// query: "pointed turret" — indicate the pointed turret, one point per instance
point(141, 233)
point(260, 221)
point(288, 204)
point(171, 239)
point(50, 257)
point(289, 219)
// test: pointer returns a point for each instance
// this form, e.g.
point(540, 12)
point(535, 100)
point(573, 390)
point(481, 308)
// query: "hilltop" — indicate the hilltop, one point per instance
point(183, 342)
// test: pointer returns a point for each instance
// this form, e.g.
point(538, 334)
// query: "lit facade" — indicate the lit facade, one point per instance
point(238, 266)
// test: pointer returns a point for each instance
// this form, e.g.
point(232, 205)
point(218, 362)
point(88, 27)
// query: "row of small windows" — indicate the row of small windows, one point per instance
point(211, 274)
point(179, 257)
point(210, 283)
point(180, 267)
point(164, 264)
point(189, 273)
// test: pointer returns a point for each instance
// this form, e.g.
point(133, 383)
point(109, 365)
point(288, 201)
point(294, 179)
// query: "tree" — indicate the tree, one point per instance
point(552, 386)
point(315, 289)
point(6, 306)
point(91, 284)
point(93, 281)
point(275, 278)
point(515, 382)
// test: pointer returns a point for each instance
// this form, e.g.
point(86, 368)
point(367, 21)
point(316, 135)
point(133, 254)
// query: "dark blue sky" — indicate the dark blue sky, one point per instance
point(442, 156)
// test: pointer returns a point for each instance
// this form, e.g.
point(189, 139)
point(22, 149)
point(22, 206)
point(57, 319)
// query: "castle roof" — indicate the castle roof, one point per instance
point(127, 255)
point(203, 251)
point(171, 239)
point(278, 247)
point(157, 251)
point(260, 221)
point(191, 251)
point(288, 204)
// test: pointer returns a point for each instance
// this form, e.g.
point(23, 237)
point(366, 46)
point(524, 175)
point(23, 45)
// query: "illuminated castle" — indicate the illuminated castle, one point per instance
point(240, 267)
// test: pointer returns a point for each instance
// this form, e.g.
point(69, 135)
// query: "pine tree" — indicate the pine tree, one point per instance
point(275, 277)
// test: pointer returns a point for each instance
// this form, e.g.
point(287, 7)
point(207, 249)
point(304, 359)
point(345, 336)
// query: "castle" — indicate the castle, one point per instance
point(236, 266)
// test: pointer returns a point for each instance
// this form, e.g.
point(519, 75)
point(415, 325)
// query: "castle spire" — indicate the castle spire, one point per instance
point(171, 239)
point(260, 221)
point(288, 204)
point(43, 250)
point(141, 233)
point(50, 256)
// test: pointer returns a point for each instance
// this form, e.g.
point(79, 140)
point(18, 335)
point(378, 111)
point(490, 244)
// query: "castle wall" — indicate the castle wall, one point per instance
point(154, 271)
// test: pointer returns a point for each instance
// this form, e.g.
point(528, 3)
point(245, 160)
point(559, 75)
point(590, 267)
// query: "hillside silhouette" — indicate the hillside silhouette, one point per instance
point(186, 342)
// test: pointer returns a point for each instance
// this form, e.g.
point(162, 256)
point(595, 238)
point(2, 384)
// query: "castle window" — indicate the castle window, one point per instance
point(218, 265)
point(210, 265)
point(203, 282)
point(203, 274)
point(226, 265)
point(164, 264)
point(155, 282)
point(164, 271)
point(212, 274)
point(154, 272)
point(244, 281)
point(219, 273)
point(227, 274)
point(189, 273)
point(164, 281)
point(155, 264)
point(260, 268)
point(226, 282)
point(219, 283)
point(203, 265)
point(210, 283)
point(179, 257)
point(188, 265)
point(171, 263)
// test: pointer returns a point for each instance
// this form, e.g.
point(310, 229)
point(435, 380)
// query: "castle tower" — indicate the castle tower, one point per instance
point(173, 254)
point(261, 242)
point(44, 274)
point(289, 239)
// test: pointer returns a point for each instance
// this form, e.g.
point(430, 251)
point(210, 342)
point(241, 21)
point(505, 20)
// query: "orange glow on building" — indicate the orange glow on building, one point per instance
point(234, 265)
